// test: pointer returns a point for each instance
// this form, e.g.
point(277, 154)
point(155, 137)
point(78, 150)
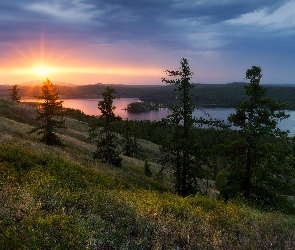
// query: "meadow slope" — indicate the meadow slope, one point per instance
point(60, 198)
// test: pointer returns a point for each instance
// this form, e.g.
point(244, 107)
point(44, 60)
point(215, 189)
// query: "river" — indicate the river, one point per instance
point(89, 107)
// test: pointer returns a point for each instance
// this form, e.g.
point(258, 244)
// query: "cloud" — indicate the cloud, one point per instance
point(279, 19)
point(175, 24)
point(76, 12)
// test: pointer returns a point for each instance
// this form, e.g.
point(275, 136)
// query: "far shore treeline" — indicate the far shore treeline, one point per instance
point(205, 95)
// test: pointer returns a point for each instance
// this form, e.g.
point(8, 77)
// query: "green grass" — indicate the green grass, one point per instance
point(53, 198)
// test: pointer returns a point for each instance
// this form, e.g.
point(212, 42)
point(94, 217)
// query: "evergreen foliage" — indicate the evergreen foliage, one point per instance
point(80, 116)
point(180, 150)
point(107, 145)
point(14, 96)
point(262, 157)
point(50, 114)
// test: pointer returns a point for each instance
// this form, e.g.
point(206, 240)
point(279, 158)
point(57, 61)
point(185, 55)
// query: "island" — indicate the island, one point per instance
point(136, 107)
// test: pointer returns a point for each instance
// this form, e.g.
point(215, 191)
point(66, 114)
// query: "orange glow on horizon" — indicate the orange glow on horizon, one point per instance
point(46, 71)
point(58, 63)
point(82, 75)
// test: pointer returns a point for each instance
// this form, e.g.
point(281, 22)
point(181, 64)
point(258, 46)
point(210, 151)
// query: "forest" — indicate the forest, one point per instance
point(204, 95)
point(74, 181)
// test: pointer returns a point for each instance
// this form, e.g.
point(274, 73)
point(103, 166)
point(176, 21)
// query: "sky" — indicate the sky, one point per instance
point(135, 41)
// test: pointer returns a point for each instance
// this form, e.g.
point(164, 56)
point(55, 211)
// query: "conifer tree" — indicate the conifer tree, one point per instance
point(179, 150)
point(261, 157)
point(107, 145)
point(50, 114)
point(14, 96)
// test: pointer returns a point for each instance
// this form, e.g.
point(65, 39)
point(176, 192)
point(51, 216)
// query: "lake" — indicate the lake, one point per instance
point(89, 107)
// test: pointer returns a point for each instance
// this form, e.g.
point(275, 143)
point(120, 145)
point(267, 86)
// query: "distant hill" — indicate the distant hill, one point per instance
point(40, 82)
point(280, 85)
point(205, 95)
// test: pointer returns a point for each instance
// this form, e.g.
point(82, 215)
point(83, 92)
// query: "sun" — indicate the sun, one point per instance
point(42, 70)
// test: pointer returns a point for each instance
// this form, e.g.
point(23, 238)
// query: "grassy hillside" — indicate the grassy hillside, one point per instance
point(53, 198)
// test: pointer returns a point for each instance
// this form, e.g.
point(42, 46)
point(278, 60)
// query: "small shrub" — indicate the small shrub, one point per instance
point(147, 169)
point(220, 180)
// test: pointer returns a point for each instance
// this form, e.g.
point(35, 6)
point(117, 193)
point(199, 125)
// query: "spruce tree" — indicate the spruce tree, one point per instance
point(14, 96)
point(50, 114)
point(107, 145)
point(179, 149)
point(261, 157)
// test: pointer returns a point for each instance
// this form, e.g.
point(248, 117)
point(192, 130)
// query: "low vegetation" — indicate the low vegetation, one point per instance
point(61, 198)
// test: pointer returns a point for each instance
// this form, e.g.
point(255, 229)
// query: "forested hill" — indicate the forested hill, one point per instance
point(213, 95)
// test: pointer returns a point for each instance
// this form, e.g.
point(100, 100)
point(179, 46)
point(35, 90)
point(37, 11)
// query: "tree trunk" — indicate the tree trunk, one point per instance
point(184, 190)
point(178, 173)
point(247, 180)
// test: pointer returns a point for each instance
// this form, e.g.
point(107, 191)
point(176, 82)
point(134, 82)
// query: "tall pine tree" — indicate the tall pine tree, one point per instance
point(180, 148)
point(261, 157)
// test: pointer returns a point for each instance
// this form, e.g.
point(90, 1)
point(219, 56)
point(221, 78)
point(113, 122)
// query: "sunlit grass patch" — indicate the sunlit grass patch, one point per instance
point(205, 223)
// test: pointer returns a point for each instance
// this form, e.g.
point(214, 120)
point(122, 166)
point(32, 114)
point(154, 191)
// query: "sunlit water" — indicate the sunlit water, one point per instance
point(89, 107)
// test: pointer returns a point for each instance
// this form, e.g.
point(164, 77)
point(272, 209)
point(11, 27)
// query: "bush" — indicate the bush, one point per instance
point(147, 169)
point(220, 180)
